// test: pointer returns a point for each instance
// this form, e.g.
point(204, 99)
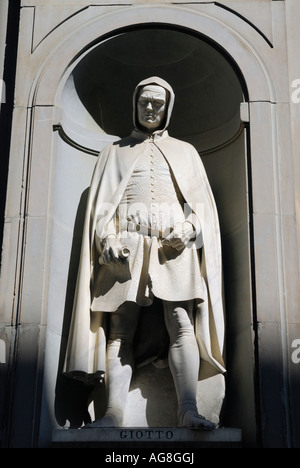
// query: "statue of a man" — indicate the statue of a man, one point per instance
point(151, 231)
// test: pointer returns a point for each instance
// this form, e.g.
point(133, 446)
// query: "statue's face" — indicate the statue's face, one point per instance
point(151, 107)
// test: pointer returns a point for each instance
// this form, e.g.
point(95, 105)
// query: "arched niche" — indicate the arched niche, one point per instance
point(96, 109)
point(221, 140)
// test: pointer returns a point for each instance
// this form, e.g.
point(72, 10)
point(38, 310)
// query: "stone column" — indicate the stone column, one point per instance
point(3, 24)
point(293, 48)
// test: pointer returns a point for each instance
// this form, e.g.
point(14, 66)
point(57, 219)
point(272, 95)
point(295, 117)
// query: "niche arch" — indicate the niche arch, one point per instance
point(58, 88)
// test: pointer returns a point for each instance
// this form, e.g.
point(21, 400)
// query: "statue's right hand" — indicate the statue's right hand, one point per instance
point(111, 251)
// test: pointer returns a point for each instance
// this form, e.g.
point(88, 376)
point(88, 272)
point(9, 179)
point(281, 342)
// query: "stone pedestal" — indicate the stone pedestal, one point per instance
point(146, 437)
point(152, 399)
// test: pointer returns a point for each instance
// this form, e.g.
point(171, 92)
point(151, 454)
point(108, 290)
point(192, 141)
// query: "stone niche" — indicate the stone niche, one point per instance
point(96, 109)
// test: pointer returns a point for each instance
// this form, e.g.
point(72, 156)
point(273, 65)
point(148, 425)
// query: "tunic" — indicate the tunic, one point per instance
point(149, 209)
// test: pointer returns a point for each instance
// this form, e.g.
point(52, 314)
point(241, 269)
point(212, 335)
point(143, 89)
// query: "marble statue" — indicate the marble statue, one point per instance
point(151, 231)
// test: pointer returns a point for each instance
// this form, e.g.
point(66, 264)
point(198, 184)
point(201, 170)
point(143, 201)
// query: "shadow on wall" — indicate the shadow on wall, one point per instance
point(71, 400)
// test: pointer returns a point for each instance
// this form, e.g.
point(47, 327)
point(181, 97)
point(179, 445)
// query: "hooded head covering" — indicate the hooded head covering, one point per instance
point(156, 81)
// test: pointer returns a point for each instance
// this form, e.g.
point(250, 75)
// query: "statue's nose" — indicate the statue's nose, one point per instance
point(149, 106)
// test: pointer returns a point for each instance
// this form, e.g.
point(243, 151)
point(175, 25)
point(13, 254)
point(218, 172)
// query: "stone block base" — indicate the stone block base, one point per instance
point(143, 438)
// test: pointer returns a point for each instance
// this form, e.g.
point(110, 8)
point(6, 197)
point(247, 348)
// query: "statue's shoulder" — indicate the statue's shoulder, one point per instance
point(123, 144)
point(118, 142)
point(182, 145)
point(115, 148)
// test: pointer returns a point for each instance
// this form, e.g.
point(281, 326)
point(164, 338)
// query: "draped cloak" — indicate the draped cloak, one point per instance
point(86, 350)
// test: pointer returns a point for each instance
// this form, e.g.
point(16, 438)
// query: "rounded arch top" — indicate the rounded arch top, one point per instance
point(207, 90)
point(243, 56)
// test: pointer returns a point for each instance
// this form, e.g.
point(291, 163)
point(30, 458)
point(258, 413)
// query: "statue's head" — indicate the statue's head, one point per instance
point(151, 107)
point(153, 104)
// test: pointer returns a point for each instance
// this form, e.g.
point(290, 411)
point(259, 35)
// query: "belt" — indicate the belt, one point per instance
point(148, 231)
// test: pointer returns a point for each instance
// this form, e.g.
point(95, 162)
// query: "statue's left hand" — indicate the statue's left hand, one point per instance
point(180, 236)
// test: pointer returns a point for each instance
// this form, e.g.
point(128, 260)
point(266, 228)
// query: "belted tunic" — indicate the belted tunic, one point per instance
point(151, 205)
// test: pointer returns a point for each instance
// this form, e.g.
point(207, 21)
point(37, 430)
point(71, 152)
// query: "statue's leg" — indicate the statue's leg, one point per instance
point(122, 325)
point(184, 361)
